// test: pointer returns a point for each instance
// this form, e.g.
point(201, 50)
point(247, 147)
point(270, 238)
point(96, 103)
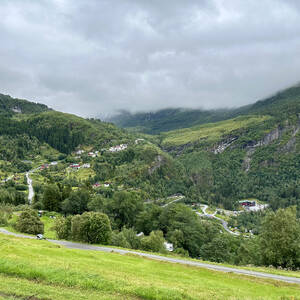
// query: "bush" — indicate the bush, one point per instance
point(118, 239)
point(5, 214)
point(62, 227)
point(95, 228)
point(90, 227)
point(154, 242)
point(29, 222)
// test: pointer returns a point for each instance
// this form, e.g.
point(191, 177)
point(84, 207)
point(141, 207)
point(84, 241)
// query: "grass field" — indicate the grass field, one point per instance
point(46, 271)
point(210, 131)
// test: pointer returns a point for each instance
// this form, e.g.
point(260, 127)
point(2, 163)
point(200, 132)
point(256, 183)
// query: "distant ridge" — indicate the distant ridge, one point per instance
point(282, 102)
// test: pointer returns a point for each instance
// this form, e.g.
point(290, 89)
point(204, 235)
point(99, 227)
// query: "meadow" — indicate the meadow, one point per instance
point(46, 271)
point(209, 132)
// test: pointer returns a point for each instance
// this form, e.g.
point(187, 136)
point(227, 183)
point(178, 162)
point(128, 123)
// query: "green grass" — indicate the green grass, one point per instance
point(210, 132)
point(47, 271)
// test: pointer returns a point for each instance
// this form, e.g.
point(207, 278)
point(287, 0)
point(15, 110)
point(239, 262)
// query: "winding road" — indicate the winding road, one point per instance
point(224, 223)
point(194, 263)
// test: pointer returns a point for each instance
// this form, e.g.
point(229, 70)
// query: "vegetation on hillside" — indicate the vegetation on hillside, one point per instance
point(131, 189)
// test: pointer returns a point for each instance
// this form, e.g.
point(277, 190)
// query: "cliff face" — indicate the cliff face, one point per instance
point(271, 137)
point(159, 161)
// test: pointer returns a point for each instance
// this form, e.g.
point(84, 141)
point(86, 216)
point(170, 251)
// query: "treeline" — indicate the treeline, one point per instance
point(277, 242)
point(59, 136)
point(8, 103)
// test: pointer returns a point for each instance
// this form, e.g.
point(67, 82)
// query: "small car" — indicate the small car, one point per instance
point(40, 237)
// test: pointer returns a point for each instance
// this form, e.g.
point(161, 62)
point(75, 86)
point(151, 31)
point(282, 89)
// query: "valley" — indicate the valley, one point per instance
point(211, 192)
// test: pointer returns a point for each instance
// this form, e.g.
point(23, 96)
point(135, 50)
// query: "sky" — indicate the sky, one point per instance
point(95, 57)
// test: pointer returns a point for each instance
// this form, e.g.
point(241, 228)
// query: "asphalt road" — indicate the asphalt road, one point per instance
point(224, 223)
point(80, 246)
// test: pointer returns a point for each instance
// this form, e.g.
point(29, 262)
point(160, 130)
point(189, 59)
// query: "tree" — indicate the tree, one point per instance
point(183, 227)
point(124, 207)
point(62, 227)
point(154, 242)
point(280, 238)
point(222, 248)
point(96, 204)
point(29, 222)
point(52, 198)
point(91, 227)
point(76, 203)
point(148, 220)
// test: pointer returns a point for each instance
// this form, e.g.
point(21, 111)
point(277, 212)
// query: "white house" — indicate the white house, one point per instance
point(86, 166)
point(118, 148)
point(169, 246)
point(91, 154)
point(79, 152)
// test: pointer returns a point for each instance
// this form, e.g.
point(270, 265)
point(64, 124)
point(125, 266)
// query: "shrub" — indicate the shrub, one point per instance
point(90, 227)
point(29, 222)
point(62, 227)
point(5, 214)
point(154, 242)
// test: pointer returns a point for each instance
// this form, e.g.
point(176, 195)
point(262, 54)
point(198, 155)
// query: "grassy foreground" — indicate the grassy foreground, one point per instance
point(47, 271)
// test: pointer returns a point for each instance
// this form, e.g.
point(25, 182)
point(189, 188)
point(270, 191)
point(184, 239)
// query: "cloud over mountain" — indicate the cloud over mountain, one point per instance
point(91, 57)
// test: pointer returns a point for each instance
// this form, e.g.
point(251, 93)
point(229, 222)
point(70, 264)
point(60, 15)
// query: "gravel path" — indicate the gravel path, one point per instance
point(72, 245)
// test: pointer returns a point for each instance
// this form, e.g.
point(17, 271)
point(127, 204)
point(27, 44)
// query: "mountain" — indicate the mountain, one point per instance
point(40, 136)
point(164, 120)
point(169, 119)
point(137, 180)
point(254, 155)
point(9, 105)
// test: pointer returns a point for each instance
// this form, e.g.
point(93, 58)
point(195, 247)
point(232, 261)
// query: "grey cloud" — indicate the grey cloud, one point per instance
point(97, 57)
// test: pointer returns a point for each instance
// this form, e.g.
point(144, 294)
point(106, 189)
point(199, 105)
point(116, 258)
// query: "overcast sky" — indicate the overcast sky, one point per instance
point(94, 57)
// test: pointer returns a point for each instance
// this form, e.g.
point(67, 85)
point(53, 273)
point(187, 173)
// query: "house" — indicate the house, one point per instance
point(118, 148)
point(86, 166)
point(106, 184)
point(79, 152)
point(53, 163)
point(247, 203)
point(141, 234)
point(43, 167)
point(169, 246)
point(75, 166)
point(96, 185)
point(92, 154)
point(138, 140)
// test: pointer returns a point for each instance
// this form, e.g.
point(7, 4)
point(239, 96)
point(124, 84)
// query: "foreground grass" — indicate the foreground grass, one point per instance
point(39, 268)
point(51, 234)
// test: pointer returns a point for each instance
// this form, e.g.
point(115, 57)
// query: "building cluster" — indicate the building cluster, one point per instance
point(252, 205)
point(118, 148)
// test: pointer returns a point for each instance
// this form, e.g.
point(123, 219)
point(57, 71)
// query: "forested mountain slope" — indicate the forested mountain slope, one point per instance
point(255, 155)
point(10, 106)
point(169, 119)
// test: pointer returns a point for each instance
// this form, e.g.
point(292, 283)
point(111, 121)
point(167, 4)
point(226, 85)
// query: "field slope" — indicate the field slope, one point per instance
point(46, 271)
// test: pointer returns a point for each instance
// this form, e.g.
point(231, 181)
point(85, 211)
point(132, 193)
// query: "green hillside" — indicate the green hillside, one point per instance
point(32, 269)
point(169, 119)
point(156, 184)
point(210, 132)
point(251, 156)
point(9, 105)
